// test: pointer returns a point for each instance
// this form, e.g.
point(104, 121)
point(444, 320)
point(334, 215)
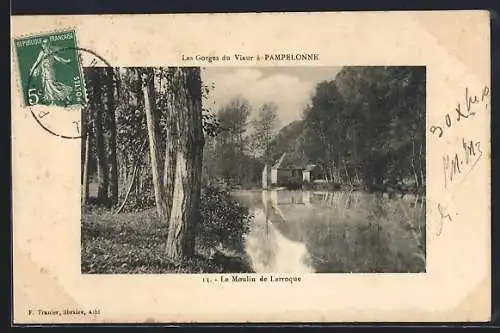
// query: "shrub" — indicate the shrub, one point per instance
point(223, 219)
point(145, 199)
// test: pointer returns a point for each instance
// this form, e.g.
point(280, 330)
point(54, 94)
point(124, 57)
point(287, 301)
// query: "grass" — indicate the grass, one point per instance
point(134, 243)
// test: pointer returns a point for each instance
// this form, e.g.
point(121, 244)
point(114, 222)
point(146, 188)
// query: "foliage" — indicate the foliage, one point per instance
point(223, 219)
point(287, 140)
point(211, 123)
point(144, 199)
point(131, 118)
point(226, 155)
point(233, 119)
point(263, 129)
point(386, 108)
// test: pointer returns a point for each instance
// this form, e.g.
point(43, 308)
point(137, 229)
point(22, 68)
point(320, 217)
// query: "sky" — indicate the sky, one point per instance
point(290, 88)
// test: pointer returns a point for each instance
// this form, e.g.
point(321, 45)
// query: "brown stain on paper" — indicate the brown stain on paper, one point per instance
point(36, 288)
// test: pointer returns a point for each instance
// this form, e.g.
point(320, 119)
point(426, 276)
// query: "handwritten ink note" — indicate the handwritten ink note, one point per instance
point(473, 103)
point(461, 162)
point(458, 162)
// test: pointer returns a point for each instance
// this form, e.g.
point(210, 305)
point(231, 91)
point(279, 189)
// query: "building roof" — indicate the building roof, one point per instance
point(310, 167)
point(286, 161)
point(279, 162)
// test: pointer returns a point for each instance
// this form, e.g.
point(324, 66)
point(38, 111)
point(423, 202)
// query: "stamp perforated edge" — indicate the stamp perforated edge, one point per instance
point(18, 70)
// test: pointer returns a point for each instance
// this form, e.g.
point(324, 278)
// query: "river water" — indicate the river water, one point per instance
point(334, 232)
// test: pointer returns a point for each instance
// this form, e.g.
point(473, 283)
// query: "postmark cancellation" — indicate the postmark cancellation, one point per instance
point(51, 80)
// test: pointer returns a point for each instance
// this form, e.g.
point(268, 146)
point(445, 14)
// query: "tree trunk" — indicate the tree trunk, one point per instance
point(264, 177)
point(358, 180)
point(188, 165)
point(122, 175)
point(102, 170)
point(170, 165)
point(325, 173)
point(113, 163)
point(132, 181)
point(86, 161)
point(413, 163)
point(347, 175)
point(138, 183)
point(331, 172)
point(421, 167)
point(170, 149)
point(147, 77)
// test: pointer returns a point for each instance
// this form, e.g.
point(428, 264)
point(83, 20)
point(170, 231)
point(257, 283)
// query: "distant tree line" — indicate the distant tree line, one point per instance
point(365, 128)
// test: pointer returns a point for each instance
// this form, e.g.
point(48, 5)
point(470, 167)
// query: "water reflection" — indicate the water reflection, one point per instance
point(307, 231)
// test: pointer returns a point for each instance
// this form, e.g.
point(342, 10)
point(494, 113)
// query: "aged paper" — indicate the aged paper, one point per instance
point(52, 284)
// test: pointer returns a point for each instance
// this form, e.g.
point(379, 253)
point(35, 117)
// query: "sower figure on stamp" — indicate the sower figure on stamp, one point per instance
point(53, 90)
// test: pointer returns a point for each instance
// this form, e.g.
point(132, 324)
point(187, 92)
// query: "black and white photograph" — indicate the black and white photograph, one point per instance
point(276, 169)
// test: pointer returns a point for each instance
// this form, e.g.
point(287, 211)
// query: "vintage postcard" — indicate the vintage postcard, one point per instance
point(271, 167)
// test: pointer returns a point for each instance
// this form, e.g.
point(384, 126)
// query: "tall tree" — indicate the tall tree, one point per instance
point(102, 165)
point(147, 77)
point(232, 140)
point(111, 121)
point(185, 213)
point(264, 127)
point(132, 133)
point(86, 148)
point(324, 127)
point(166, 87)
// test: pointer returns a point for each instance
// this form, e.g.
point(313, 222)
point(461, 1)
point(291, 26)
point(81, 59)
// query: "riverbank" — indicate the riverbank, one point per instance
point(134, 243)
point(386, 190)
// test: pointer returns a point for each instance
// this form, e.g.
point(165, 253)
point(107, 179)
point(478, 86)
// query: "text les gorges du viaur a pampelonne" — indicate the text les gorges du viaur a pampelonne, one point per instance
point(265, 57)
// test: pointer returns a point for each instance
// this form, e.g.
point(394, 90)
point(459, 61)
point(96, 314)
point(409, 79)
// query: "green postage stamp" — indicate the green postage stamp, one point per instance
point(50, 70)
